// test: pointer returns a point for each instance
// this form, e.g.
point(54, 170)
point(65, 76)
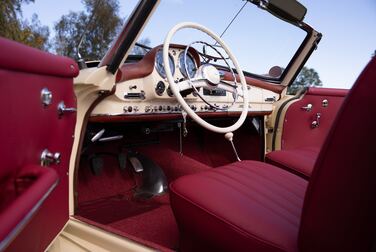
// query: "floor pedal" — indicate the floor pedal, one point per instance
point(154, 181)
point(96, 165)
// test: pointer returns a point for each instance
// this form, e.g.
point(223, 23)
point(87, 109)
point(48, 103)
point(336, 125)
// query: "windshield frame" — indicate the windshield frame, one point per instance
point(126, 40)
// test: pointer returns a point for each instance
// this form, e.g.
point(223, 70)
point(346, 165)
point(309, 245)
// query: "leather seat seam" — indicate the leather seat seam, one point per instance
point(262, 205)
point(281, 196)
point(233, 226)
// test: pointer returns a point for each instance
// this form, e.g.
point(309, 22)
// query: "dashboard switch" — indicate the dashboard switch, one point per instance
point(160, 88)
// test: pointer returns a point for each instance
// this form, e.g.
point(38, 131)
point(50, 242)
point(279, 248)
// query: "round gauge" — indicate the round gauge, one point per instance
point(191, 65)
point(160, 66)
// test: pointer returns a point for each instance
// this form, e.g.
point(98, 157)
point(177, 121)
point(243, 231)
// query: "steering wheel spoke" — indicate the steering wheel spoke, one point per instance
point(186, 84)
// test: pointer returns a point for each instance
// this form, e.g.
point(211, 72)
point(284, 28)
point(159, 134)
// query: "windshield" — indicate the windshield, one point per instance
point(257, 39)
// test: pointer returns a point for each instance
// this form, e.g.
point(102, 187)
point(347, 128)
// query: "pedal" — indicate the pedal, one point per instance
point(122, 159)
point(96, 165)
point(154, 181)
point(136, 163)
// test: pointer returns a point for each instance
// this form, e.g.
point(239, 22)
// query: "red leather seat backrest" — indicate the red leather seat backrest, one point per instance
point(339, 212)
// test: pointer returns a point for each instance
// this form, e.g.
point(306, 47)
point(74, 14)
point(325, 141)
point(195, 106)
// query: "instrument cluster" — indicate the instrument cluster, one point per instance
point(186, 65)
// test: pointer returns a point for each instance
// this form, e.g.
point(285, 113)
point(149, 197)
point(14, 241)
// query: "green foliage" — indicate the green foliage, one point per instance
point(13, 27)
point(101, 29)
point(307, 77)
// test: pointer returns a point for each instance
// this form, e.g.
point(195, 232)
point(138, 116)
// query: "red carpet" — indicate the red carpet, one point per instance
point(106, 200)
point(149, 220)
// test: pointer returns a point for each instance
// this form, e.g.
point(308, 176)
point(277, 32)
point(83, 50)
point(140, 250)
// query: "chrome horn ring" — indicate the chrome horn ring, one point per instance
point(235, 94)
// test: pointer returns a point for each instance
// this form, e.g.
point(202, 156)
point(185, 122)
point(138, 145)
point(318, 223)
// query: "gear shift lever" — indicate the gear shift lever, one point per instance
point(229, 136)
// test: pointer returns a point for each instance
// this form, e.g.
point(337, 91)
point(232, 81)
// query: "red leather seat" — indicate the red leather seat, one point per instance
point(298, 161)
point(252, 206)
point(243, 205)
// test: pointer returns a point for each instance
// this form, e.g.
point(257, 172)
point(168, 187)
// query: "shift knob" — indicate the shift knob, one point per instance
point(229, 136)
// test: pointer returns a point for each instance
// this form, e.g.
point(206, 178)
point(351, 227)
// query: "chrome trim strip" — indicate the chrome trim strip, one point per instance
point(21, 225)
point(176, 113)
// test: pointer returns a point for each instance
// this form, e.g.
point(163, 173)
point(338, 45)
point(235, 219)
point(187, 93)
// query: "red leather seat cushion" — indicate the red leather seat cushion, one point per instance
point(299, 161)
point(244, 206)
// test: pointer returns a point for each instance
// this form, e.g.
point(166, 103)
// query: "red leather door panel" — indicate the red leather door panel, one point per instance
point(297, 129)
point(33, 198)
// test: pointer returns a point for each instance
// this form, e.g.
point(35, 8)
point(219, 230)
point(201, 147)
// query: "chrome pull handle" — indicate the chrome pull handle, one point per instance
point(316, 123)
point(308, 108)
point(61, 109)
point(48, 158)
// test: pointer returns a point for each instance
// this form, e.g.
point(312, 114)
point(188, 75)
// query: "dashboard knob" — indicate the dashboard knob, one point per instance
point(160, 88)
point(160, 108)
point(169, 92)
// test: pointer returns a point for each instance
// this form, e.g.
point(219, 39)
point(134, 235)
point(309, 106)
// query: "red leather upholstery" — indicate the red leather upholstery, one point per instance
point(239, 207)
point(27, 128)
point(18, 57)
point(251, 206)
point(297, 122)
point(340, 206)
point(298, 161)
point(38, 181)
point(298, 154)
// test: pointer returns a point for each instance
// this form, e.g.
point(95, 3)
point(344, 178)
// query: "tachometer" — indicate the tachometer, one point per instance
point(191, 65)
point(160, 66)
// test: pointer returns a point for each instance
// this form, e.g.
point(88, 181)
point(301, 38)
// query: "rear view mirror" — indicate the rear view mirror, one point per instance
point(289, 10)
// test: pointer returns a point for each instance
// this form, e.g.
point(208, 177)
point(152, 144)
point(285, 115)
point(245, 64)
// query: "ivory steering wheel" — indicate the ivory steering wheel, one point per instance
point(208, 77)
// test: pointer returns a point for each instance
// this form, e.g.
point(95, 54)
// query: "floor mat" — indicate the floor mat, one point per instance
point(151, 220)
point(157, 226)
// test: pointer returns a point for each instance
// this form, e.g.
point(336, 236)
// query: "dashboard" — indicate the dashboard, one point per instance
point(142, 89)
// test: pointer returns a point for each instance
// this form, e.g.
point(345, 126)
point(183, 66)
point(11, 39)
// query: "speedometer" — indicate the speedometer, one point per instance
point(160, 66)
point(191, 65)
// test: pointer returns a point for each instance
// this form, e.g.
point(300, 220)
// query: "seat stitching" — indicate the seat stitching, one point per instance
point(266, 171)
point(294, 166)
point(294, 212)
point(233, 226)
point(281, 175)
point(275, 193)
point(244, 170)
point(295, 223)
point(250, 172)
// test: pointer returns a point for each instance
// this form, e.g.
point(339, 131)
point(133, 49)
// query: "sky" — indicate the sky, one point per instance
point(348, 28)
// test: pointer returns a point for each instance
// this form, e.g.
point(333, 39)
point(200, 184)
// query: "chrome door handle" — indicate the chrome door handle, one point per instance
point(61, 109)
point(316, 123)
point(47, 158)
point(308, 108)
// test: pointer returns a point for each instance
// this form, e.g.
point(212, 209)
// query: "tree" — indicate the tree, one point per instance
point(13, 27)
point(98, 24)
point(307, 77)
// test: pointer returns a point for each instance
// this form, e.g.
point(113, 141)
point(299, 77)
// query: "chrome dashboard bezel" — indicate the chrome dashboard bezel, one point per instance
point(157, 66)
point(182, 68)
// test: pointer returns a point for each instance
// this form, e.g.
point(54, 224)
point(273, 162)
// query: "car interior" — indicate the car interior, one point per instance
point(185, 154)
